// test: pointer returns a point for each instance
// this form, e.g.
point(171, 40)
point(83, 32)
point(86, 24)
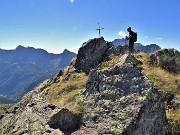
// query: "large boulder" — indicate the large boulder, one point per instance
point(65, 120)
point(121, 100)
point(91, 53)
point(167, 59)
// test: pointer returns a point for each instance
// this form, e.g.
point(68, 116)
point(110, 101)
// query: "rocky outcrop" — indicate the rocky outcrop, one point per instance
point(167, 59)
point(33, 115)
point(91, 54)
point(122, 100)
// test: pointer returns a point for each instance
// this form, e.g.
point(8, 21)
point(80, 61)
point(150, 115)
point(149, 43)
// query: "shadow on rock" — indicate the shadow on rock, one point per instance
point(65, 120)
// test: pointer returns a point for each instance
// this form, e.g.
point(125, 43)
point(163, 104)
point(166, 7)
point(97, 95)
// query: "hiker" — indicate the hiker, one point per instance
point(132, 38)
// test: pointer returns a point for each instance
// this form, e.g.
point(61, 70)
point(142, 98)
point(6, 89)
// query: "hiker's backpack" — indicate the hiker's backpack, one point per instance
point(134, 36)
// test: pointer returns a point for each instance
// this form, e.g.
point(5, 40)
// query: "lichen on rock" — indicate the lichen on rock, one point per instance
point(121, 100)
point(167, 59)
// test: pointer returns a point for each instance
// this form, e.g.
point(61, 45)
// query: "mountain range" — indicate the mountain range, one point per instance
point(138, 46)
point(25, 67)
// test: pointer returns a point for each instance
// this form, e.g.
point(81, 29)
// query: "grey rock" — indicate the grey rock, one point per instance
point(30, 115)
point(121, 100)
point(91, 54)
point(167, 59)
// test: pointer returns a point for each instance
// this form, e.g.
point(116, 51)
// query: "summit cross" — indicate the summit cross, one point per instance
point(99, 29)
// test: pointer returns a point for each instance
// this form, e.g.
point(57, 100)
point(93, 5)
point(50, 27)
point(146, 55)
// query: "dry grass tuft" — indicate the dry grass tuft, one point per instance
point(173, 122)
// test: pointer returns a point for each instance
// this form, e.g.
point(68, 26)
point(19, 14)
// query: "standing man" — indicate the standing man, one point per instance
point(132, 38)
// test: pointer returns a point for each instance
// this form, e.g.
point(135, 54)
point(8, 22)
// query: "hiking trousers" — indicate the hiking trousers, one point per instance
point(131, 46)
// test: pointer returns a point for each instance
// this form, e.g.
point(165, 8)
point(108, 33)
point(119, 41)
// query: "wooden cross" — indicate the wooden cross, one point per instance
point(99, 29)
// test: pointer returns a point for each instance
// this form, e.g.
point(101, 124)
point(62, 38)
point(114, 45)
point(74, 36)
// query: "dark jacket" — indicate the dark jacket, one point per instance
point(131, 36)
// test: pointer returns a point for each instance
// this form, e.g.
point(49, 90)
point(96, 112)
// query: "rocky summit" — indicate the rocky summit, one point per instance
point(122, 100)
point(113, 100)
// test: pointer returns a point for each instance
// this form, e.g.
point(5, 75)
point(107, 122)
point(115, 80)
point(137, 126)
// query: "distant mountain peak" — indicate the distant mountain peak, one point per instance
point(66, 51)
point(20, 47)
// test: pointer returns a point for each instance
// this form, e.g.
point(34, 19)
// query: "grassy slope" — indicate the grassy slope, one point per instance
point(65, 92)
point(167, 83)
point(162, 79)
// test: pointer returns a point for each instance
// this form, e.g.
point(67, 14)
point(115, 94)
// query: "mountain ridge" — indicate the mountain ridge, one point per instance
point(138, 46)
point(23, 68)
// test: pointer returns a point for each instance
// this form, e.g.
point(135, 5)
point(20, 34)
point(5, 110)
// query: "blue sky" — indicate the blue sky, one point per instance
point(54, 25)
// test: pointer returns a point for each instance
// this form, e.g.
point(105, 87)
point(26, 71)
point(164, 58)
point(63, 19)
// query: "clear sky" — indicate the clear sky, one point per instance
point(54, 25)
